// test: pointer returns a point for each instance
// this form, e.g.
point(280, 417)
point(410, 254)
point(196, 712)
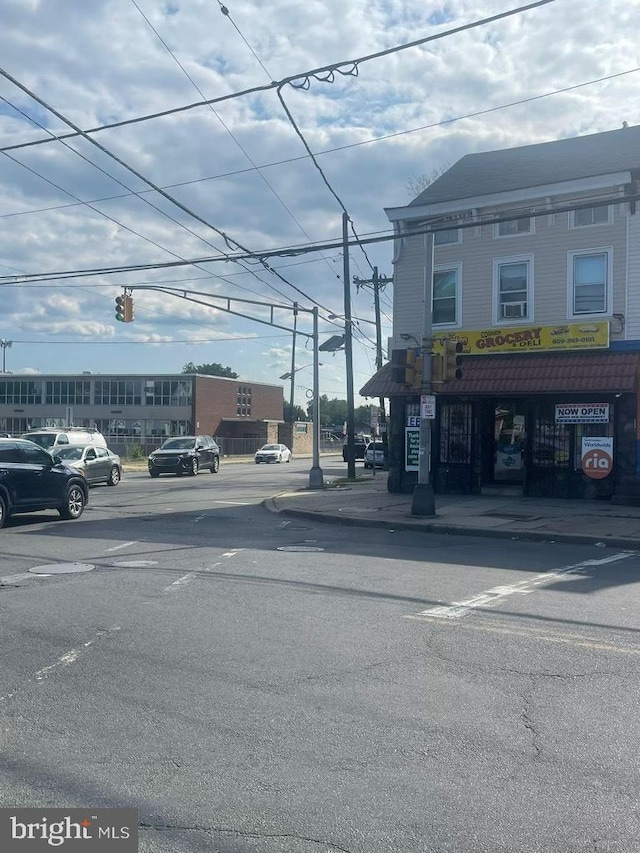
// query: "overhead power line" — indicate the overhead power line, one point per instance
point(325, 151)
point(230, 241)
point(296, 251)
point(325, 74)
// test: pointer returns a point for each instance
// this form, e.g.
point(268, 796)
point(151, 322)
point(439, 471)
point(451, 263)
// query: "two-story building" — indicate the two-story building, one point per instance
point(143, 410)
point(530, 258)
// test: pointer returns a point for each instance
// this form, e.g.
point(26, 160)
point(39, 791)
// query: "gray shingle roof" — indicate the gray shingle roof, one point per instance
point(536, 165)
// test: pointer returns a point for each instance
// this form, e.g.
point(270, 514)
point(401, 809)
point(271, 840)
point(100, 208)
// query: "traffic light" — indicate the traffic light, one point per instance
point(120, 309)
point(128, 309)
point(451, 361)
point(406, 367)
point(437, 367)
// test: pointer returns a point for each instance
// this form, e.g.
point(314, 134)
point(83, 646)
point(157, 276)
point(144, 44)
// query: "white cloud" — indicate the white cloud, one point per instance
point(100, 62)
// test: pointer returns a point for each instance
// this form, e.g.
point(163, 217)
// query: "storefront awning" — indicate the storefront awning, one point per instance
point(603, 372)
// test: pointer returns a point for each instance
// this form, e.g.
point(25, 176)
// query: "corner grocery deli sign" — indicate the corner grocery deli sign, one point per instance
point(582, 413)
point(567, 336)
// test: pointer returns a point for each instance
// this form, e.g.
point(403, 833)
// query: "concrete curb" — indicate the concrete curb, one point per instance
point(443, 528)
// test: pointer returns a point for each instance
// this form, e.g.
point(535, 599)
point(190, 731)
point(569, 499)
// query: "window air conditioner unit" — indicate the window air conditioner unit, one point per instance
point(514, 309)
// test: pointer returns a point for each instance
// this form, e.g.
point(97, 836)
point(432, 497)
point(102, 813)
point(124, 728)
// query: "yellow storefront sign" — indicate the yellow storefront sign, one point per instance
point(564, 336)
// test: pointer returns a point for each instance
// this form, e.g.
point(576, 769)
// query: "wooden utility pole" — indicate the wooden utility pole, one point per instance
point(377, 282)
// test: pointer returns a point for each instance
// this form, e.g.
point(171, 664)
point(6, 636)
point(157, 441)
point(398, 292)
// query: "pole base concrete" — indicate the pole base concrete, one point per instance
point(423, 500)
point(315, 478)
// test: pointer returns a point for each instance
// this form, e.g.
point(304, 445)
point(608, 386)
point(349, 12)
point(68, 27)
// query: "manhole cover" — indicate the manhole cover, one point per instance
point(135, 564)
point(298, 548)
point(61, 568)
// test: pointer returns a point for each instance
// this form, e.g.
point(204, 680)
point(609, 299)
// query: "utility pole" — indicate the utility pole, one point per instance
point(423, 500)
point(377, 281)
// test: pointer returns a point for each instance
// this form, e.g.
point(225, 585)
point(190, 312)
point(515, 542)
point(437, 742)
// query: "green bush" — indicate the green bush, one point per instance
point(135, 452)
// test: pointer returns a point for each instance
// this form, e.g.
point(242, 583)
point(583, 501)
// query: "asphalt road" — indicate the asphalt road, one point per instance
point(258, 684)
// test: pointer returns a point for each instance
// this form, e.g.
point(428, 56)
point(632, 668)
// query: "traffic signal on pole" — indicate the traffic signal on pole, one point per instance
point(120, 309)
point(406, 367)
point(128, 309)
point(452, 360)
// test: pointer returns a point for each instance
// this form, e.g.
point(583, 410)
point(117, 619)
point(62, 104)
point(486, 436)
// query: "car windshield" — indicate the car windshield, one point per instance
point(270, 447)
point(69, 452)
point(178, 444)
point(44, 439)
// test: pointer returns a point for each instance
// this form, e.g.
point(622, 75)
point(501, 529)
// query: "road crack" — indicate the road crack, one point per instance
point(329, 847)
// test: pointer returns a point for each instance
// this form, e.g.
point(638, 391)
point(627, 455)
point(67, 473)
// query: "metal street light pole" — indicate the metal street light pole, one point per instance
point(315, 474)
point(5, 344)
point(293, 360)
point(348, 351)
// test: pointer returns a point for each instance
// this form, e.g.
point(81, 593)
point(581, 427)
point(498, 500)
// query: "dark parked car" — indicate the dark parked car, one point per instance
point(185, 454)
point(361, 442)
point(98, 464)
point(32, 480)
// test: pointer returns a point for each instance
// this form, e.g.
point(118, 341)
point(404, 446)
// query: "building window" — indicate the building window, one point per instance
point(443, 238)
point(600, 215)
point(513, 283)
point(513, 228)
point(168, 392)
point(17, 391)
point(68, 392)
point(118, 392)
point(445, 295)
point(243, 401)
point(589, 275)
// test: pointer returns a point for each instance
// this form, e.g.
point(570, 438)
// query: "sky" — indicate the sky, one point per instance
point(237, 178)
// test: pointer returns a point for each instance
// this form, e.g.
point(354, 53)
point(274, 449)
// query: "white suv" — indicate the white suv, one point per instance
point(51, 438)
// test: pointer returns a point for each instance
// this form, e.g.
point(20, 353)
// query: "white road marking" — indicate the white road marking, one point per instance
point(72, 655)
point(199, 518)
point(23, 576)
point(180, 582)
point(234, 503)
point(185, 579)
point(492, 596)
point(118, 547)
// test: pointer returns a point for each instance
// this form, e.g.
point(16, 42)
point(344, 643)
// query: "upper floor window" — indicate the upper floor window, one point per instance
point(446, 283)
point(68, 392)
point(600, 215)
point(589, 284)
point(513, 284)
point(513, 228)
point(444, 238)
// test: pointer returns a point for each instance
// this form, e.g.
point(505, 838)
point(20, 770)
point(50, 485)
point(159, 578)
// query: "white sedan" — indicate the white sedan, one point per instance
point(273, 453)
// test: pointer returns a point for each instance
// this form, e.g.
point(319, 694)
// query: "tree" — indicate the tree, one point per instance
point(298, 413)
point(419, 183)
point(214, 369)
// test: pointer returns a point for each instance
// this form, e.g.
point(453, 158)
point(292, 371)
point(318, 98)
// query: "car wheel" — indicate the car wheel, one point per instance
point(215, 465)
point(114, 476)
point(193, 468)
point(280, 458)
point(154, 474)
point(3, 512)
point(289, 459)
point(74, 504)
point(257, 461)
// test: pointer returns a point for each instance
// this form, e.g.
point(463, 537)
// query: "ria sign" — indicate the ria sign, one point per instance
point(597, 456)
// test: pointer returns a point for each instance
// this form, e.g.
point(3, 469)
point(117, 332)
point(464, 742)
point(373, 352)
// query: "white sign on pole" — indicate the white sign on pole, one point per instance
point(428, 406)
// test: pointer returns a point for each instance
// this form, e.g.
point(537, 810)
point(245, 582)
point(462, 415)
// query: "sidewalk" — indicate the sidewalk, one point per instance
point(366, 502)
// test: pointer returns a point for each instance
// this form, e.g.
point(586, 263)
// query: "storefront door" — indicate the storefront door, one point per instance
point(509, 440)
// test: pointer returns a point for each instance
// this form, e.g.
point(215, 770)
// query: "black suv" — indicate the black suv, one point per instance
point(32, 480)
point(360, 444)
point(185, 454)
